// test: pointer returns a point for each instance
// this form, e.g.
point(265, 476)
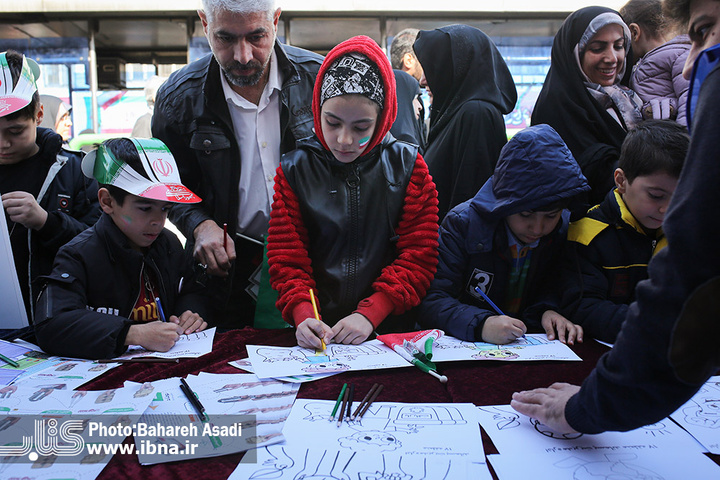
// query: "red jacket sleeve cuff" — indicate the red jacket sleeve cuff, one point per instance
point(376, 308)
point(302, 312)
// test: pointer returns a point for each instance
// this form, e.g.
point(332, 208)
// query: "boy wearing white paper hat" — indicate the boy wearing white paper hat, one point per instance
point(46, 198)
point(117, 283)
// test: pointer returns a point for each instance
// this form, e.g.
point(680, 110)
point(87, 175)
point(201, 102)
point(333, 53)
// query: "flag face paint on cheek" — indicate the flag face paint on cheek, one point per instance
point(363, 142)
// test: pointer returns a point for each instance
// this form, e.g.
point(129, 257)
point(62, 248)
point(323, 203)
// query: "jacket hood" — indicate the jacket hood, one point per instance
point(461, 63)
point(53, 109)
point(368, 47)
point(535, 169)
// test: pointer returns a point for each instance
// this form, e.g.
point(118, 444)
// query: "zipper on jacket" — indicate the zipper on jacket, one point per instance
point(353, 183)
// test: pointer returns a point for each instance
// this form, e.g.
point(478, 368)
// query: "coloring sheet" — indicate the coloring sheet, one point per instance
point(391, 441)
point(12, 307)
point(596, 465)
point(273, 362)
point(535, 346)
point(245, 364)
point(269, 401)
point(57, 398)
point(701, 415)
point(73, 373)
point(37, 366)
point(188, 346)
point(516, 434)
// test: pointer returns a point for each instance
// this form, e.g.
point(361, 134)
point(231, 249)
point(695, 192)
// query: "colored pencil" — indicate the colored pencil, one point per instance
point(337, 403)
point(317, 316)
point(364, 400)
point(343, 407)
point(372, 399)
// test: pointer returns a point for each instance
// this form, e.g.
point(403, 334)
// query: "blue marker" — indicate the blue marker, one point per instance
point(492, 304)
point(161, 314)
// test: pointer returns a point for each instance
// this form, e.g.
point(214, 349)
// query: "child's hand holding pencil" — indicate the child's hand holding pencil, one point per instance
point(313, 332)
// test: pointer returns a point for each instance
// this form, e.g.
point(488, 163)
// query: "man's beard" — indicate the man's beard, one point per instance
point(244, 80)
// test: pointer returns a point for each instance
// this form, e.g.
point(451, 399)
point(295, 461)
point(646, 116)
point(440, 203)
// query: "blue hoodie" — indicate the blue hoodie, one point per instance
point(535, 169)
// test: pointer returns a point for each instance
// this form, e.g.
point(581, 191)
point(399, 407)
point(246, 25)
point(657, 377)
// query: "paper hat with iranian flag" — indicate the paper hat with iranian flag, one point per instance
point(163, 182)
point(18, 97)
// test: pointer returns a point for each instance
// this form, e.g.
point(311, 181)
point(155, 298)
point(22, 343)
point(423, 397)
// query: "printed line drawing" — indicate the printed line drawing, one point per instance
point(615, 466)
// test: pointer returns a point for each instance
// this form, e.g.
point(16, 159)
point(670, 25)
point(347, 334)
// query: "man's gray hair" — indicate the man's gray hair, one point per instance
point(401, 44)
point(211, 7)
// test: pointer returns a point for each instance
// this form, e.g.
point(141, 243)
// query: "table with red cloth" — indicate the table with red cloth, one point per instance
point(486, 382)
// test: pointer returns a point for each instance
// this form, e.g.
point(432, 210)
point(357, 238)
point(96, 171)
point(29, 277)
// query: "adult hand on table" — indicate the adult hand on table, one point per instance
point(546, 405)
point(210, 241)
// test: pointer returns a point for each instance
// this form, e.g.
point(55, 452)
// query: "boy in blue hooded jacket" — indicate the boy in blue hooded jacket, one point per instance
point(499, 251)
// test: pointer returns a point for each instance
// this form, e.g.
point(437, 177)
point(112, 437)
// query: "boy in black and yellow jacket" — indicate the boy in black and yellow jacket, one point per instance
point(609, 249)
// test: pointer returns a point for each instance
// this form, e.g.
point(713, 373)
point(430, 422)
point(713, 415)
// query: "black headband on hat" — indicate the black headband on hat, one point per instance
point(353, 73)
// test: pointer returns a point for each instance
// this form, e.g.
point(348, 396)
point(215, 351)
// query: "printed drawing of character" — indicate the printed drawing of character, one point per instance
point(92, 458)
point(44, 461)
point(8, 422)
point(548, 432)
point(426, 415)
point(351, 352)
point(273, 467)
point(273, 355)
point(7, 391)
point(616, 467)
point(106, 396)
point(503, 418)
point(257, 396)
point(326, 368)
point(374, 441)
point(704, 413)
point(45, 390)
point(97, 368)
point(316, 411)
point(496, 354)
point(76, 397)
point(413, 468)
point(656, 429)
point(65, 367)
point(329, 465)
point(233, 386)
point(145, 390)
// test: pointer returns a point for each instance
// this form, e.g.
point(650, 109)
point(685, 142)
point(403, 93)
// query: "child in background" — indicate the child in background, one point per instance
point(101, 294)
point(657, 76)
point(506, 243)
point(609, 249)
point(47, 199)
point(354, 215)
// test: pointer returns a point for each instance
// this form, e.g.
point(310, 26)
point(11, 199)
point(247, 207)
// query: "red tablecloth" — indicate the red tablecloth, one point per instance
point(480, 382)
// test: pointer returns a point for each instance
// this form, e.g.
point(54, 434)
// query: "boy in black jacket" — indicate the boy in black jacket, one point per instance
point(110, 286)
point(47, 199)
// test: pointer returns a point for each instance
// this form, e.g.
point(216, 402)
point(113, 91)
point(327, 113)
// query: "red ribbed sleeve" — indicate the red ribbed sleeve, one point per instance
point(406, 280)
point(288, 259)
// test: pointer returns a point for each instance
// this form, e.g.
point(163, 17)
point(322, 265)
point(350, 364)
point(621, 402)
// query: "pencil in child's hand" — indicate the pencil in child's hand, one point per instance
point(337, 403)
point(225, 236)
point(317, 316)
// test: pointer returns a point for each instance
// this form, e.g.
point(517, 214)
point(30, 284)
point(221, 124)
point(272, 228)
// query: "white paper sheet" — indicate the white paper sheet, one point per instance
point(188, 346)
point(595, 465)
point(391, 441)
point(222, 394)
point(700, 416)
point(245, 364)
point(516, 434)
point(532, 347)
point(272, 362)
point(12, 307)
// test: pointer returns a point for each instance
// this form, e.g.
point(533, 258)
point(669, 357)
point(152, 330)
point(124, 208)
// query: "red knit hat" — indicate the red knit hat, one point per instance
point(368, 47)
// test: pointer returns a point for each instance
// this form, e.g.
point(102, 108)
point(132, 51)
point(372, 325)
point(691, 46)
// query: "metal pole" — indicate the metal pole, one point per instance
point(92, 64)
point(383, 34)
point(286, 23)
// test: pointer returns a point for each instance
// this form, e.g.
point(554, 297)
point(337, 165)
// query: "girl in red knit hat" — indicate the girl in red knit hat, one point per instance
point(354, 216)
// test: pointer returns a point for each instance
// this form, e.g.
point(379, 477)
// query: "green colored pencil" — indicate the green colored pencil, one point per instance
point(337, 403)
